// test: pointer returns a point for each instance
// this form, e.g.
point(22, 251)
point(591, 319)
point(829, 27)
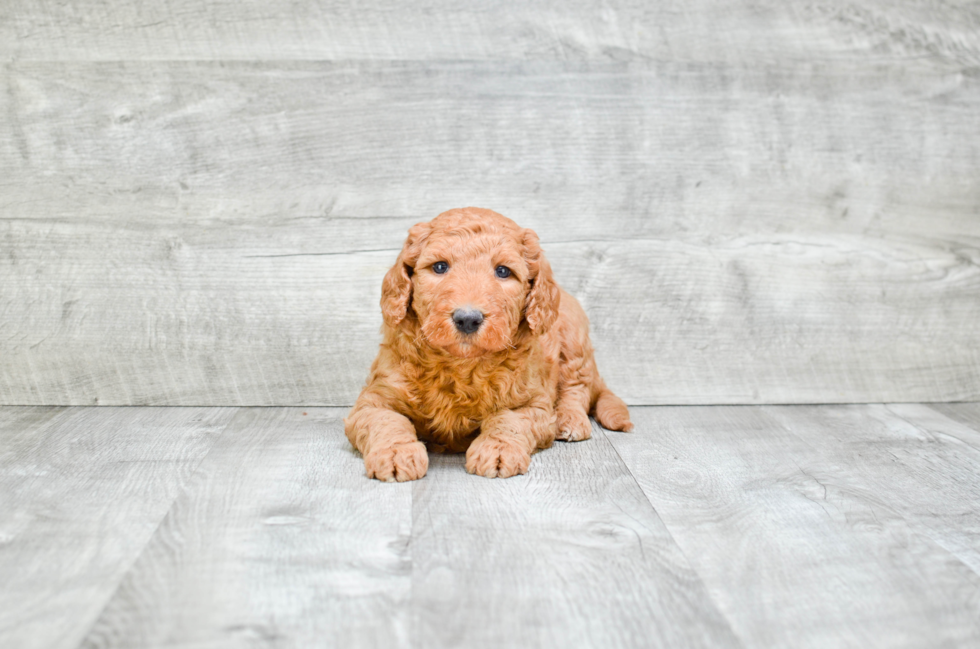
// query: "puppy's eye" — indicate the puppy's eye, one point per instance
point(440, 267)
point(502, 272)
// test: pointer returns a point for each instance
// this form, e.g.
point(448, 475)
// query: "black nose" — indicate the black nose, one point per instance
point(467, 320)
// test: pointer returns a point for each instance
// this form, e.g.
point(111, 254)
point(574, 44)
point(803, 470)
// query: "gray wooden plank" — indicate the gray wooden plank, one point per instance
point(641, 148)
point(801, 526)
point(387, 29)
point(965, 413)
point(570, 555)
point(287, 313)
point(165, 227)
point(280, 539)
point(81, 492)
point(191, 315)
point(799, 532)
point(903, 458)
point(783, 320)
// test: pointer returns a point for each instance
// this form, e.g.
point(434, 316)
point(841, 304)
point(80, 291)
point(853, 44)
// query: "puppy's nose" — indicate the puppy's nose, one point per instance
point(467, 320)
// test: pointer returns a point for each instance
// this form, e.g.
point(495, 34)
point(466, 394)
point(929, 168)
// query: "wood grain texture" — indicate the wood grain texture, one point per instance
point(965, 413)
point(280, 539)
point(569, 555)
point(803, 526)
point(81, 492)
point(763, 30)
point(817, 526)
point(211, 233)
point(289, 314)
point(637, 148)
point(905, 459)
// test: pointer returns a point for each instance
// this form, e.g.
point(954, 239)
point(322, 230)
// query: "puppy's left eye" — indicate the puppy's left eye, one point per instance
point(502, 272)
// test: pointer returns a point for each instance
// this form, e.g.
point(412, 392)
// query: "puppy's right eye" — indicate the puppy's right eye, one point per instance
point(440, 267)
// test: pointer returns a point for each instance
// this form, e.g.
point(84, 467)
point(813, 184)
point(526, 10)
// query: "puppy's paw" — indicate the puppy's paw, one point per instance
point(497, 457)
point(573, 425)
point(397, 463)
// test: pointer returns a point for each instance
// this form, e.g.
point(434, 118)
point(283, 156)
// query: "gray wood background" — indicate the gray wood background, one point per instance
point(762, 201)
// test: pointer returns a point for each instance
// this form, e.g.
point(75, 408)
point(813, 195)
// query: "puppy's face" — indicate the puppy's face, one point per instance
point(469, 291)
point(471, 277)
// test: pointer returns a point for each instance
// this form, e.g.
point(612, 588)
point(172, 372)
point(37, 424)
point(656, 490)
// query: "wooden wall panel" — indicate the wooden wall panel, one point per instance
point(633, 149)
point(765, 203)
point(694, 30)
point(98, 313)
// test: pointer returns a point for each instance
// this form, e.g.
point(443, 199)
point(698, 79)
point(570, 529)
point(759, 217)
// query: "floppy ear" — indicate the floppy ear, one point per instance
point(541, 309)
point(396, 289)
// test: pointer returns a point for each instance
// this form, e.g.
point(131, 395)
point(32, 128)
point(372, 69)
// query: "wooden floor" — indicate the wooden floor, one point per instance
point(752, 526)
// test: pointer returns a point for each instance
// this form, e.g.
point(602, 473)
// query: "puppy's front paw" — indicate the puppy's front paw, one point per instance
point(573, 425)
point(399, 462)
point(497, 457)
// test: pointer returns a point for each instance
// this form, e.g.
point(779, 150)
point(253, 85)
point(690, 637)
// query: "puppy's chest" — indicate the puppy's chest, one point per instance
point(452, 403)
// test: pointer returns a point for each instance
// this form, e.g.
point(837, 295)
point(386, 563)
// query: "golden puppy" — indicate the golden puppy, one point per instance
point(482, 352)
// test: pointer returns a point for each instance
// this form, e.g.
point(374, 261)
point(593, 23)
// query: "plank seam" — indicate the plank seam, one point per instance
point(603, 433)
point(926, 532)
point(83, 642)
point(910, 524)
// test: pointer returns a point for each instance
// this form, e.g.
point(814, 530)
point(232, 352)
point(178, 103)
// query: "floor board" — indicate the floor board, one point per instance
point(82, 490)
point(571, 554)
point(906, 460)
point(278, 539)
point(966, 413)
point(805, 531)
point(751, 526)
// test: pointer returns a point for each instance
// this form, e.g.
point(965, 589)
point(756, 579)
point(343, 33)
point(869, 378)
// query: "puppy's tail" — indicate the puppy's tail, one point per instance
point(611, 411)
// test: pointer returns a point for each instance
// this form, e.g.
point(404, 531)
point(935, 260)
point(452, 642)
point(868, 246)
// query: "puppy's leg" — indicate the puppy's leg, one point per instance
point(507, 439)
point(577, 374)
point(573, 414)
point(388, 442)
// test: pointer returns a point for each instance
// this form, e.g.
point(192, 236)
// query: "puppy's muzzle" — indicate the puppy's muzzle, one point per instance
point(467, 320)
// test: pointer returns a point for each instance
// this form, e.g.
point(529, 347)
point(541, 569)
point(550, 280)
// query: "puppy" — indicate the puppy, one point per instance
point(482, 352)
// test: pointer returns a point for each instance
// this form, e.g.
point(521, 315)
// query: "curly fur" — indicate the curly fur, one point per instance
point(524, 379)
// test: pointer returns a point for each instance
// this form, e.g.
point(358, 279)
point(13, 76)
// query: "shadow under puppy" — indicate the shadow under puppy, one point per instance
point(482, 352)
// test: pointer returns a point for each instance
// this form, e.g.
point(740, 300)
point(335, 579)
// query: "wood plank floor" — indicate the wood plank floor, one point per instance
point(724, 526)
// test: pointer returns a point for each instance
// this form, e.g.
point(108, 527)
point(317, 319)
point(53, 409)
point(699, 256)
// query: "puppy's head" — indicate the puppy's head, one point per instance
point(472, 278)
